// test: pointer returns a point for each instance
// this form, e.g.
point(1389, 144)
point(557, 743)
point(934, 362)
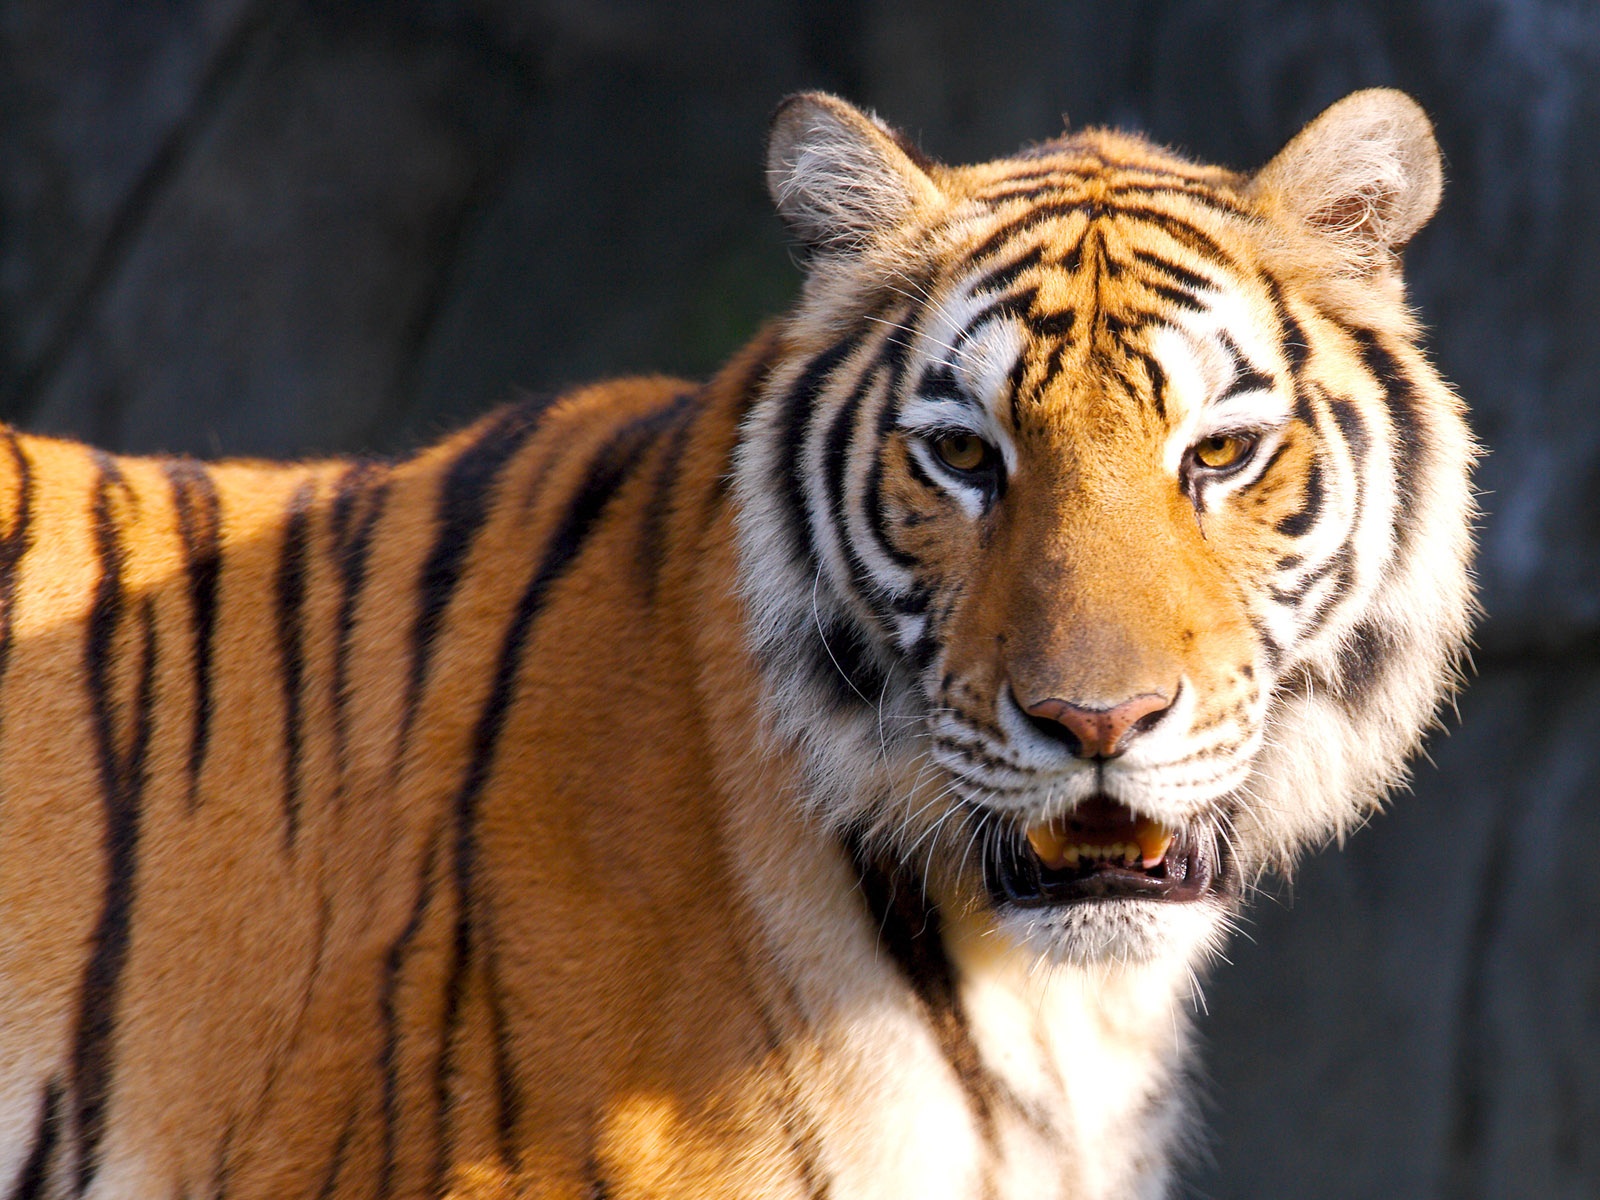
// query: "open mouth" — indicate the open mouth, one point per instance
point(1101, 851)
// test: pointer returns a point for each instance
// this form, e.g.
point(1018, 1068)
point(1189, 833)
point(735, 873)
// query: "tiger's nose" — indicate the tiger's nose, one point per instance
point(1098, 733)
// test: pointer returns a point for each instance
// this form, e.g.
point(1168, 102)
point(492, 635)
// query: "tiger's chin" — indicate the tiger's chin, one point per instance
point(1106, 885)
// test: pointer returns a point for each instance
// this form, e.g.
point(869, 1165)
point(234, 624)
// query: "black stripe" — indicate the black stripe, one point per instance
point(508, 1093)
point(394, 963)
point(1155, 377)
point(1247, 377)
point(1340, 565)
point(122, 778)
point(364, 488)
point(814, 1181)
point(1198, 192)
point(291, 591)
point(1400, 396)
point(1191, 281)
point(1004, 276)
point(1017, 306)
point(843, 660)
point(35, 1174)
point(1362, 659)
point(910, 929)
point(1015, 378)
point(836, 461)
point(1179, 230)
point(194, 497)
point(1295, 346)
point(652, 552)
point(1271, 650)
point(463, 506)
point(595, 1185)
point(939, 383)
point(799, 408)
point(608, 470)
point(1295, 524)
point(1180, 297)
point(336, 1166)
point(1130, 321)
point(1051, 326)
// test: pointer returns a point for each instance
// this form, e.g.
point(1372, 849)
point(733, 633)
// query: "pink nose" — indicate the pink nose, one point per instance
point(1100, 732)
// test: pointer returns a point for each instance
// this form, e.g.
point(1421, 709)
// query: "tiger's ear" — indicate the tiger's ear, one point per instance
point(839, 177)
point(1366, 174)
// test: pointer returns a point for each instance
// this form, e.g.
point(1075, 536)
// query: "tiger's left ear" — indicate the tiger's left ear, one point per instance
point(840, 178)
point(1365, 174)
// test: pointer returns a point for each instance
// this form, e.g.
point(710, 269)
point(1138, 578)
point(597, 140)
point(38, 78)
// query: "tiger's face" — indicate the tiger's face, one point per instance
point(1086, 476)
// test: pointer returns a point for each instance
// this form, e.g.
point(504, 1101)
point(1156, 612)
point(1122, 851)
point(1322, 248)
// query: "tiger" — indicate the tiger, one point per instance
point(831, 779)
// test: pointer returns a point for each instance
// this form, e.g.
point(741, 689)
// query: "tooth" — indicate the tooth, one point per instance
point(1155, 839)
point(1047, 844)
point(1130, 854)
point(1072, 856)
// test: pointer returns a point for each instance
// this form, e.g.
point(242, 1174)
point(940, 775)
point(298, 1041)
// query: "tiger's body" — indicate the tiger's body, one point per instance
point(821, 781)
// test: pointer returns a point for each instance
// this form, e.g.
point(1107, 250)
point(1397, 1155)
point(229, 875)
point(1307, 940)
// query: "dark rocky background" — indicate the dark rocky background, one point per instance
point(279, 226)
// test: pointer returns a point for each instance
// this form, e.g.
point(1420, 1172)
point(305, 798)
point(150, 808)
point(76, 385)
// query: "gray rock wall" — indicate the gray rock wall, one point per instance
point(270, 226)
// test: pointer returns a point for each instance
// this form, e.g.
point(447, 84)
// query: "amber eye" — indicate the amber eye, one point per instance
point(962, 451)
point(1223, 451)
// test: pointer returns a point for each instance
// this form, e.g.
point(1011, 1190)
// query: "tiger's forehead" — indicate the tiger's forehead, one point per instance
point(1078, 306)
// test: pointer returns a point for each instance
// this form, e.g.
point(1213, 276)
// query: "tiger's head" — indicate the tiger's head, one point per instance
point(1104, 531)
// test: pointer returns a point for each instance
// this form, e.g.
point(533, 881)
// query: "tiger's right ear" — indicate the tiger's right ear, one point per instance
point(1364, 176)
point(840, 178)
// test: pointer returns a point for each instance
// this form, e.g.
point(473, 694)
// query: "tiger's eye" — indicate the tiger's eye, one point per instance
point(1217, 453)
point(962, 451)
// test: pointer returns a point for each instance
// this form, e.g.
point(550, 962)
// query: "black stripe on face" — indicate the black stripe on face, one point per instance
point(1362, 660)
point(291, 592)
point(1002, 277)
point(1296, 524)
point(799, 408)
point(609, 469)
point(1247, 377)
point(194, 498)
point(939, 383)
point(1184, 233)
point(1295, 346)
point(1016, 306)
point(836, 464)
point(1191, 281)
point(842, 659)
point(463, 506)
point(359, 497)
point(35, 1173)
point(122, 778)
point(910, 928)
point(1404, 407)
point(1156, 379)
point(1053, 326)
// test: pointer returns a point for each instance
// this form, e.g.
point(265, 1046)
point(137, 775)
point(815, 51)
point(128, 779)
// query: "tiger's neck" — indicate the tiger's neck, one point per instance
point(924, 1048)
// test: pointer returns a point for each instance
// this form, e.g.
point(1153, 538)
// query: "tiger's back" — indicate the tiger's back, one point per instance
point(822, 781)
point(262, 722)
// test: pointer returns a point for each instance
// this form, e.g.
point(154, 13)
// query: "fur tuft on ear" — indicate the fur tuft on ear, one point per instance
point(1365, 174)
point(840, 178)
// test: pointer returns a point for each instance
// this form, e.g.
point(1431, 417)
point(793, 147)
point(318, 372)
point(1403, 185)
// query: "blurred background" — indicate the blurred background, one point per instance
point(281, 227)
